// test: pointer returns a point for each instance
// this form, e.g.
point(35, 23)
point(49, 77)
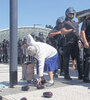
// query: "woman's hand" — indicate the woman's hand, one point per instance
point(39, 81)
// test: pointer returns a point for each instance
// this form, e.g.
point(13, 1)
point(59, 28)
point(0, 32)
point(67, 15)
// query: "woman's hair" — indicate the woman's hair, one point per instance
point(32, 50)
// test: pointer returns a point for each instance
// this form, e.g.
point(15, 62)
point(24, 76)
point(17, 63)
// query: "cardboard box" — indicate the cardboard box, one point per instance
point(28, 71)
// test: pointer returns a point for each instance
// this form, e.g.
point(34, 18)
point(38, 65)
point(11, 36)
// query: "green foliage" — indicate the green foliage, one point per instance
point(49, 26)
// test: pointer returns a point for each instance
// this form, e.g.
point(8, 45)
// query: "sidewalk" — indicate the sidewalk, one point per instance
point(62, 89)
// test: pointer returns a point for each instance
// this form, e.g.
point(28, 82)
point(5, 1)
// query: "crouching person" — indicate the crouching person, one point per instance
point(47, 57)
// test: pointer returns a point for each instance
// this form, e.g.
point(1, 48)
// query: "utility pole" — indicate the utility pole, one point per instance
point(13, 42)
point(36, 25)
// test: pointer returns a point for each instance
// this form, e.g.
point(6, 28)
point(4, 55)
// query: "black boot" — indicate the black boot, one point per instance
point(62, 73)
point(67, 77)
point(55, 73)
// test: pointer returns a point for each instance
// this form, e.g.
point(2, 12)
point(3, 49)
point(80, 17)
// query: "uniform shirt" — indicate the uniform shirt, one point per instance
point(44, 51)
point(86, 28)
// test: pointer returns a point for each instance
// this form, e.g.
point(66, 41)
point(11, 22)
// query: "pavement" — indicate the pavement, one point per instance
point(62, 89)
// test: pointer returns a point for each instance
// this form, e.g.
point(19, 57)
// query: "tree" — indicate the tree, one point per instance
point(49, 26)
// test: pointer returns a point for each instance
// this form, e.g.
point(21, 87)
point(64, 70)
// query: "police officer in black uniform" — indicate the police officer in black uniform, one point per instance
point(56, 40)
point(41, 37)
point(54, 37)
point(71, 43)
point(85, 32)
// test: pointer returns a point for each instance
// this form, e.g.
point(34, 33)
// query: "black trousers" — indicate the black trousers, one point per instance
point(86, 63)
point(68, 50)
point(60, 51)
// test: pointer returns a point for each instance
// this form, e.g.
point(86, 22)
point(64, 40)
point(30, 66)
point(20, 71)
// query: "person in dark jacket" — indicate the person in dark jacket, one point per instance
point(56, 38)
point(71, 43)
point(85, 33)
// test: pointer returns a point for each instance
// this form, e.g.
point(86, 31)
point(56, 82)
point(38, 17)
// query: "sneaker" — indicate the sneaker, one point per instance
point(49, 84)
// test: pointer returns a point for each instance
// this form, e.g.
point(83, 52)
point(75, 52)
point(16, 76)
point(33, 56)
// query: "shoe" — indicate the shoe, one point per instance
point(86, 80)
point(80, 77)
point(49, 84)
point(67, 77)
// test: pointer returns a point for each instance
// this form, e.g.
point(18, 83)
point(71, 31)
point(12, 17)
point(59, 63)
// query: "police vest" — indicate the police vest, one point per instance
point(74, 35)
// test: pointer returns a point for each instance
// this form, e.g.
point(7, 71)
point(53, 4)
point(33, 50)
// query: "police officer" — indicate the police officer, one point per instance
point(5, 56)
point(71, 43)
point(56, 38)
point(41, 37)
point(54, 33)
point(1, 52)
point(85, 33)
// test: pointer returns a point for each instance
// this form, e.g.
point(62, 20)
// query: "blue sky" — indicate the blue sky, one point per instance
point(41, 12)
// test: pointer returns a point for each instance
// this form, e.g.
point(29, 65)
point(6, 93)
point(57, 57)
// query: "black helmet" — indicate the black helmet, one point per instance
point(60, 20)
point(70, 10)
point(40, 33)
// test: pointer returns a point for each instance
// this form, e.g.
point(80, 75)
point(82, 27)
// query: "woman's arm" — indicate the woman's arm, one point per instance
point(41, 69)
